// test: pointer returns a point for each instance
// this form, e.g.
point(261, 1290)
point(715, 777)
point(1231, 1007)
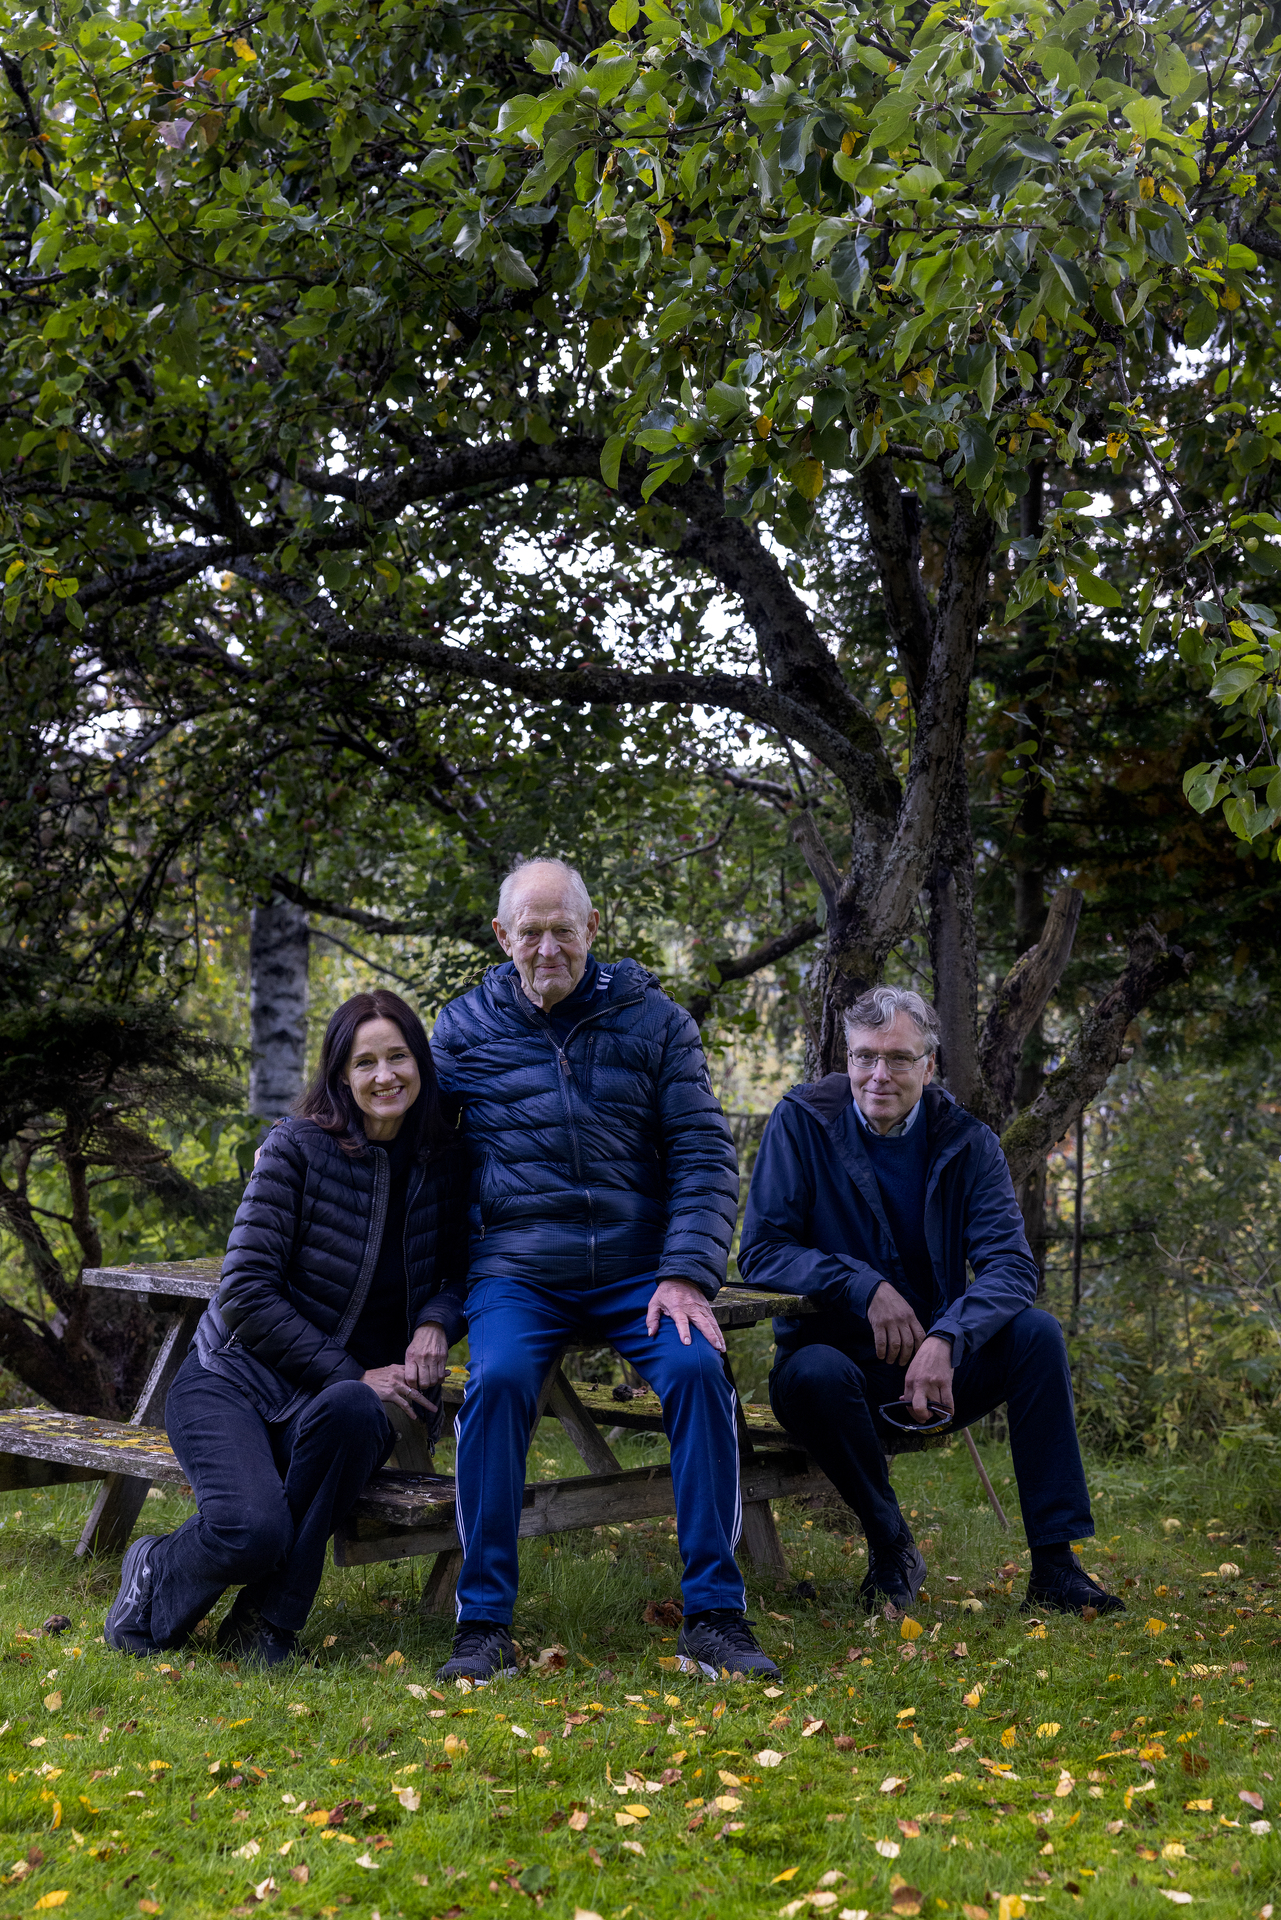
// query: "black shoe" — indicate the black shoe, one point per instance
point(245, 1635)
point(128, 1623)
point(483, 1651)
point(895, 1575)
point(1069, 1590)
point(724, 1648)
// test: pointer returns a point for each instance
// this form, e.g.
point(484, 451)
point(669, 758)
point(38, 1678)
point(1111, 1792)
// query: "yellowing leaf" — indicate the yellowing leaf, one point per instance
point(160, 1766)
point(807, 478)
point(454, 1745)
point(1010, 1907)
point(1154, 1626)
point(1009, 1738)
point(1198, 1806)
point(58, 1898)
point(665, 228)
point(624, 1819)
point(638, 1812)
point(396, 1659)
point(1048, 1729)
point(972, 1699)
point(1147, 187)
point(319, 1818)
point(243, 50)
point(53, 1701)
point(788, 1873)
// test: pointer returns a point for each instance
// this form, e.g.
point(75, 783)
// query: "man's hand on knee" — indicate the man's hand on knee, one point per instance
point(897, 1330)
point(427, 1358)
point(688, 1306)
point(930, 1378)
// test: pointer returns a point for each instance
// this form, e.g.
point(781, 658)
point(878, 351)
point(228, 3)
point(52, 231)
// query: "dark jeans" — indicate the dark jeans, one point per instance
point(268, 1497)
point(826, 1397)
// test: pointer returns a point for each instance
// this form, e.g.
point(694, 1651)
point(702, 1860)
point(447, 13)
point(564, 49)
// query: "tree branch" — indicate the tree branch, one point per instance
point(1022, 997)
point(776, 948)
point(1099, 1046)
point(894, 523)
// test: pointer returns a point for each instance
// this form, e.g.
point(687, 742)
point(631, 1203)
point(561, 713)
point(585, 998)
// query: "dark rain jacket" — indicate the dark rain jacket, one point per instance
point(598, 1158)
point(301, 1260)
point(815, 1223)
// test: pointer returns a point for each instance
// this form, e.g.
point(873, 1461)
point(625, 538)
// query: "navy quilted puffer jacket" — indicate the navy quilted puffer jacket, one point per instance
point(302, 1256)
point(597, 1159)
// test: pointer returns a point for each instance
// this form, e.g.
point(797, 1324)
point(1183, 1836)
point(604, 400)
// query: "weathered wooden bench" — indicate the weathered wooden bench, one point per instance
point(407, 1510)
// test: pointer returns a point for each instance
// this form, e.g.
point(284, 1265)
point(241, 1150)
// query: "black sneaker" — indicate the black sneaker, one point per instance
point(245, 1635)
point(128, 1623)
point(895, 1575)
point(724, 1648)
point(483, 1651)
point(1069, 1590)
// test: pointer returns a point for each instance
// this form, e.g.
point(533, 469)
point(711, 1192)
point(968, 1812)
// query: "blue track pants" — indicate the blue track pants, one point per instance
point(515, 1329)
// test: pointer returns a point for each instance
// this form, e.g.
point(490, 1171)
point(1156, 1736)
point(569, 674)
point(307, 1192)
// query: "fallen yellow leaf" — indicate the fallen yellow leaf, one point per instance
point(56, 1899)
point(53, 1701)
point(788, 1873)
point(910, 1629)
point(395, 1659)
point(1009, 1738)
point(972, 1699)
point(1154, 1626)
point(1048, 1729)
point(1010, 1907)
point(638, 1812)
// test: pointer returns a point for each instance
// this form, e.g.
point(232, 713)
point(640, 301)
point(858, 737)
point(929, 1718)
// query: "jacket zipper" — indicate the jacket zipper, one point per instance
point(566, 1073)
point(373, 1246)
point(415, 1183)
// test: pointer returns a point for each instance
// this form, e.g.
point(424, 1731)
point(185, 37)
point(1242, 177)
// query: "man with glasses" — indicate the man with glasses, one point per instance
point(872, 1193)
point(604, 1192)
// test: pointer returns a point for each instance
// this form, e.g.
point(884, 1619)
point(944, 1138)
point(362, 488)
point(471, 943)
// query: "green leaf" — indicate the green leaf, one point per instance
point(987, 387)
point(1169, 242)
point(1032, 147)
point(1173, 74)
point(1144, 115)
point(1241, 259)
point(978, 453)
point(1199, 325)
point(511, 267)
point(1231, 682)
point(611, 456)
point(1057, 64)
point(655, 477)
point(1099, 592)
point(624, 14)
point(305, 90)
point(1071, 276)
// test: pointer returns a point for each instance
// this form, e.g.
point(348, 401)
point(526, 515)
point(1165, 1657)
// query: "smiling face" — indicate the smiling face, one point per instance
point(547, 937)
point(383, 1076)
point(888, 1089)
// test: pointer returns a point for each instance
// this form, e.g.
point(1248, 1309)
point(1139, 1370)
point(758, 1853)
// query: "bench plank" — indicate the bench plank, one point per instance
point(402, 1515)
point(100, 1446)
point(177, 1279)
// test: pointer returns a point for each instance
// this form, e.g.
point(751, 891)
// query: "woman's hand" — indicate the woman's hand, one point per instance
point(427, 1357)
point(395, 1389)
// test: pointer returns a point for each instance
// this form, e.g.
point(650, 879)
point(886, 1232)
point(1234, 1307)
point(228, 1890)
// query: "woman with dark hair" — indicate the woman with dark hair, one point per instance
point(341, 1293)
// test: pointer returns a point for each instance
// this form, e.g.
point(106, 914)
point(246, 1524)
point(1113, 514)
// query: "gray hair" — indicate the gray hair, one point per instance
point(880, 1006)
point(577, 885)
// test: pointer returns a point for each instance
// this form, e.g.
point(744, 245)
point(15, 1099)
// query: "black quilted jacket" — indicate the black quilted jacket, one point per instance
point(302, 1256)
point(596, 1160)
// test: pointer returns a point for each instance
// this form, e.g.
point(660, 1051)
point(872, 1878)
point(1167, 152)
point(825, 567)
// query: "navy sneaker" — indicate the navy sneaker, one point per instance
point(483, 1651)
point(895, 1575)
point(128, 1623)
point(723, 1646)
point(1069, 1590)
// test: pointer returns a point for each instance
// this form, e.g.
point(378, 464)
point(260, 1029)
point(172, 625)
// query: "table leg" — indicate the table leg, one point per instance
point(438, 1589)
point(114, 1512)
point(760, 1539)
point(988, 1488)
point(562, 1401)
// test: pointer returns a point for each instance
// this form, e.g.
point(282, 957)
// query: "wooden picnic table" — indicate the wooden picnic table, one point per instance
point(407, 1509)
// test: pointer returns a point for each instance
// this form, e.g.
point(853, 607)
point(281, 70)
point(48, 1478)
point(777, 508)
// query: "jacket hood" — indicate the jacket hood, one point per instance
point(830, 1096)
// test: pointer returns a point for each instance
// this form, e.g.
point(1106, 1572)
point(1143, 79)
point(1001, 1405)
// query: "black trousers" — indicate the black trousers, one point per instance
point(268, 1497)
point(827, 1396)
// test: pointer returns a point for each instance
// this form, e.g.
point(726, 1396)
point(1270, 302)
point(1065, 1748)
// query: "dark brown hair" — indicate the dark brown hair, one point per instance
point(329, 1100)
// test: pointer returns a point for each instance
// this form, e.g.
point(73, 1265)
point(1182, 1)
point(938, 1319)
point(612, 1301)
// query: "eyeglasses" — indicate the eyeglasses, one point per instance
point(895, 1062)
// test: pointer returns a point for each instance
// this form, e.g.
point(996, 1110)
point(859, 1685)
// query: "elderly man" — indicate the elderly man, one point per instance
point(870, 1195)
point(604, 1191)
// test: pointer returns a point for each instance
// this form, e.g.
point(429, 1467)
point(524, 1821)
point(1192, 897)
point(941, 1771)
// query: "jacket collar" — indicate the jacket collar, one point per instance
point(621, 983)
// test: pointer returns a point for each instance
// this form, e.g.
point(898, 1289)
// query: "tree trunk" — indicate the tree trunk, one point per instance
point(279, 949)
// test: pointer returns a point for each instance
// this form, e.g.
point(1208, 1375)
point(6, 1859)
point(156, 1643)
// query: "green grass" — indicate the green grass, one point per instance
point(197, 1761)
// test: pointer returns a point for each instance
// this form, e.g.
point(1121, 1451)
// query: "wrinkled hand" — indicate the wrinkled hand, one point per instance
point(427, 1357)
point(688, 1306)
point(930, 1378)
point(395, 1390)
point(898, 1331)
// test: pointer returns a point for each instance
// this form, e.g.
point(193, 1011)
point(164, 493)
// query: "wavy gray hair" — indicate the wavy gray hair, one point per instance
point(881, 1006)
point(577, 885)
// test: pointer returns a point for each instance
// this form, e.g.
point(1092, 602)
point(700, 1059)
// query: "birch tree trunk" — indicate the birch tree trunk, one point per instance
point(279, 949)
